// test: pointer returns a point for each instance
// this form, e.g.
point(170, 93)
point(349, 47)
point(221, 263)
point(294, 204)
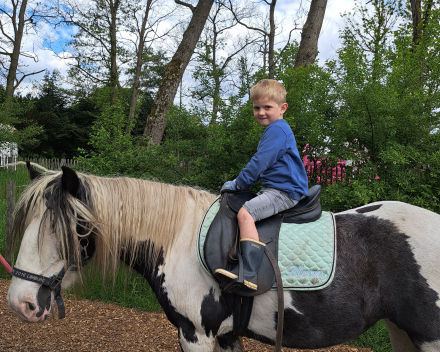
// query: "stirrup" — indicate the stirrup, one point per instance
point(238, 283)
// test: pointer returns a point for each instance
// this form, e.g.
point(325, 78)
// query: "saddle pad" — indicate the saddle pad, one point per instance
point(306, 252)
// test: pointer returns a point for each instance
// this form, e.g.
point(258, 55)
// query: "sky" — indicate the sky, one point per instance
point(286, 10)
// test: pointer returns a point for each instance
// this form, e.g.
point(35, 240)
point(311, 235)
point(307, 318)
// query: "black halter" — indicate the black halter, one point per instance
point(53, 283)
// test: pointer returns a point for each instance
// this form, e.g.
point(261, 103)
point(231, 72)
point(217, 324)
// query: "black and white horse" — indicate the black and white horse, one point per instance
point(388, 264)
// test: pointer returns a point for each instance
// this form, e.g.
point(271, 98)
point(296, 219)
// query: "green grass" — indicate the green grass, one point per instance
point(21, 178)
point(130, 290)
point(375, 338)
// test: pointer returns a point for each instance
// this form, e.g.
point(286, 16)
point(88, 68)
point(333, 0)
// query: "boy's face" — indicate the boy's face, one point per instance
point(267, 111)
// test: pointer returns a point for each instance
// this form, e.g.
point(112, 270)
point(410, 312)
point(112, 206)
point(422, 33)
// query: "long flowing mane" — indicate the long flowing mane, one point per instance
point(122, 213)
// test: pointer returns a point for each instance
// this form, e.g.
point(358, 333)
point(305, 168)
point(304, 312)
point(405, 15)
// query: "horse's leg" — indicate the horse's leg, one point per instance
point(196, 342)
point(399, 339)
point(229, 343)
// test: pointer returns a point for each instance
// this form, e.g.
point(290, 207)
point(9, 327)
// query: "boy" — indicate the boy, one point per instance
point(278, 164)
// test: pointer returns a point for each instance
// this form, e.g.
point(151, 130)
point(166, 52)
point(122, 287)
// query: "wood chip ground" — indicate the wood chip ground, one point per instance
point(97, 326)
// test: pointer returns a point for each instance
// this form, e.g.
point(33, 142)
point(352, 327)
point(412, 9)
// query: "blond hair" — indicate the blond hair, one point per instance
point(271, 89)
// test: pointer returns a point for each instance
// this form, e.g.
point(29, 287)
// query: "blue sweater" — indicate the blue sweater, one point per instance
point(277, 162)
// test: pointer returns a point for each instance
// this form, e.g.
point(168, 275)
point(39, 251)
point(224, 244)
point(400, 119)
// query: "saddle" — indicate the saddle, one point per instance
point(222, 240)
point(221, 250)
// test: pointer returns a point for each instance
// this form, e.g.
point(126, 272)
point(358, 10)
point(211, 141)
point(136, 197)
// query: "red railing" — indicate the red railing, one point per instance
point(322, 171)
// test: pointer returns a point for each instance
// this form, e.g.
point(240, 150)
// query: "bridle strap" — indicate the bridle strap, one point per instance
point(53, 282)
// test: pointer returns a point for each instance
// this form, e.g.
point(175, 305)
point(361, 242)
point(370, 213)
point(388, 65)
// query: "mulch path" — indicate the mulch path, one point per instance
point(97, 326)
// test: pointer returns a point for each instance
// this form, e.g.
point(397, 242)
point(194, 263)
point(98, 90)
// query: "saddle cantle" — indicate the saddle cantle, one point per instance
point(221, 241)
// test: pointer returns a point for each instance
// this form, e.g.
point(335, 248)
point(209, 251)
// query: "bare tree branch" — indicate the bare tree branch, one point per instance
point(185, 4)
point(26, 75)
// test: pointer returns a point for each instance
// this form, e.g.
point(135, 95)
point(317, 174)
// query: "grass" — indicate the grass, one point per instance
point(375, 338)
point(21, 178)
point(131, 289)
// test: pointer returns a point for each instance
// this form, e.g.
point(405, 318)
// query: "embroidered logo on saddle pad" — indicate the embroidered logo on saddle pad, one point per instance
point(306, 252)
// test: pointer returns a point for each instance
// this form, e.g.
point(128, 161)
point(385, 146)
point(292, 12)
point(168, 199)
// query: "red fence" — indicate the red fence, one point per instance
point(322, 171)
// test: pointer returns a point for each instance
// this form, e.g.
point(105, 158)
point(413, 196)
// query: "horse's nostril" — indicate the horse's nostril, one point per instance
point(31, 306)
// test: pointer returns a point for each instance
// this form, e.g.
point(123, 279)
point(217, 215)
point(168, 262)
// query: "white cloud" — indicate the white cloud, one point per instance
point(286, 9)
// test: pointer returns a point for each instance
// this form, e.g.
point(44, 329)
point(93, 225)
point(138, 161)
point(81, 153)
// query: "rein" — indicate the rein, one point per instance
point(53, 283)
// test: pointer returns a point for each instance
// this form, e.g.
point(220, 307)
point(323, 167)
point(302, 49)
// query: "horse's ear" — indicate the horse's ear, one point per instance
point(33, 174)
point(70, 181)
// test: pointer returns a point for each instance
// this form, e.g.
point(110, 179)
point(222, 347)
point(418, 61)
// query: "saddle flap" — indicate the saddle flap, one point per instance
point(222, 235)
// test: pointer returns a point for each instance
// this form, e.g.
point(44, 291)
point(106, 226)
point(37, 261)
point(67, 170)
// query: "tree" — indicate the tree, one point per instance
point(19, 18)
point(308, 48)
point(145, 29)
point(95, 47)
point(153, 68)
point(156, 123)
point(246, 17)
point(65, 126)
point(420, 21)
point(385, 120)
point(212, 68)
point(139, 61)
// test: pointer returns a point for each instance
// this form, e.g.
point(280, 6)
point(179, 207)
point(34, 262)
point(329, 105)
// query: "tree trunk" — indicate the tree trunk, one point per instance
point(156, 123)
point(18, 36)
point(416, 19)
point(113, 49)
point(272, 39)
point(139, 62)
point(308, 48)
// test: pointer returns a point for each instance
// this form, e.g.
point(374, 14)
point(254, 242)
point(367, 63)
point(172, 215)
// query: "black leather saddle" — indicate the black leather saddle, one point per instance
point(222, 239)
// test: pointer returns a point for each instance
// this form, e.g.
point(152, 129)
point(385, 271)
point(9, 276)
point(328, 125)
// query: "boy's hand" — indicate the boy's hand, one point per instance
point(230, 186)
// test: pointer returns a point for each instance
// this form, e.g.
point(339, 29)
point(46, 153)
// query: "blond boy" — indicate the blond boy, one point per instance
point(278, 164)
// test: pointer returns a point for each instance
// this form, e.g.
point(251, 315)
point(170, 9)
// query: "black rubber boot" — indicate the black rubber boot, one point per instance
point(251, 254)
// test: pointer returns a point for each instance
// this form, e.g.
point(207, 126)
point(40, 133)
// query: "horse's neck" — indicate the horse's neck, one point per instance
point(178, 256)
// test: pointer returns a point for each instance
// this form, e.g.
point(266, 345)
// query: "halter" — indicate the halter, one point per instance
point(53, 283)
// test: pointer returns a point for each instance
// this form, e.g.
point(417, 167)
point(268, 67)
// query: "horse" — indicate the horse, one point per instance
point(387, 266)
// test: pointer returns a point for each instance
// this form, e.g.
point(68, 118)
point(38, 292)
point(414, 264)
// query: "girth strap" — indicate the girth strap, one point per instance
point(280, 294)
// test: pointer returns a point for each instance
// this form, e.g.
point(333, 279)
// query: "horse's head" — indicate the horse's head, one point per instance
point(54, 240)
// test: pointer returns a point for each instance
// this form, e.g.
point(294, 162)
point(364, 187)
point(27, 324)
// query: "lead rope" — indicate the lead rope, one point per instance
point(5, 264)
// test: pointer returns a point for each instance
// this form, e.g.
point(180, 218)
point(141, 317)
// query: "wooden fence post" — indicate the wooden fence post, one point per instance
point(10, 203)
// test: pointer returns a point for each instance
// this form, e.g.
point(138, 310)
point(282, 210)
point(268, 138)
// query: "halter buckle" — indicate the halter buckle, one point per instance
point(56, 281)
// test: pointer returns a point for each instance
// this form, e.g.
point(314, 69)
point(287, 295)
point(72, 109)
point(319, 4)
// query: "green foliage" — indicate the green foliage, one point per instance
point(312, 104)
point(193, 153)
point(377, 105)
point(47, 125)
point(12, 114)
point(111, 149)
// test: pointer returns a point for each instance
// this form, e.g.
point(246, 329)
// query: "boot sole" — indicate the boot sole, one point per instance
point(222, 274)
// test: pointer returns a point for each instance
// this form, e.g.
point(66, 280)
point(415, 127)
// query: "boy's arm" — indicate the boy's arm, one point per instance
point(269, 151)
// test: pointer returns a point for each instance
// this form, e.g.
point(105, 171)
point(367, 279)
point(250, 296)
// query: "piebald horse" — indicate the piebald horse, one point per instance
point(388, 264)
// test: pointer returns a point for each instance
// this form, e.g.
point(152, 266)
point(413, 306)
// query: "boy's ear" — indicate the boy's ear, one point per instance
point(284, 107)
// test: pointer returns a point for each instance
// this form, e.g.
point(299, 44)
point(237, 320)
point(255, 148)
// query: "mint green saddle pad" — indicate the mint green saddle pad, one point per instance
point(306, 252)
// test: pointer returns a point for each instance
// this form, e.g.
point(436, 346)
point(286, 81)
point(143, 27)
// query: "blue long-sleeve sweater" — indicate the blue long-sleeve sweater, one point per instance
point(277, 162)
